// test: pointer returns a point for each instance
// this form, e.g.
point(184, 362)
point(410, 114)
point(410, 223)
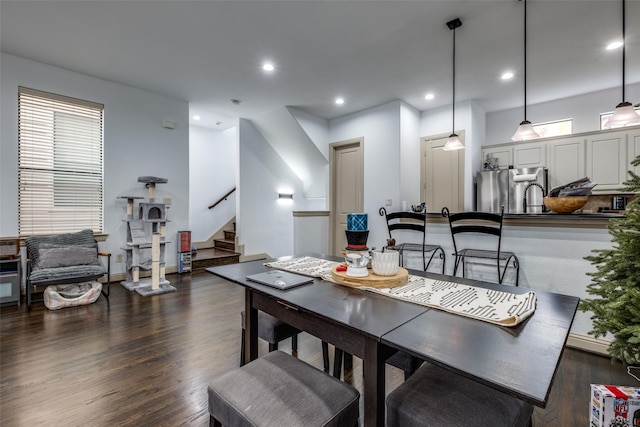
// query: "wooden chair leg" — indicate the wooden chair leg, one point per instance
point(337, 363)
point(294, 345)
point(325, 355)
point(273, 347)
point(242, 348)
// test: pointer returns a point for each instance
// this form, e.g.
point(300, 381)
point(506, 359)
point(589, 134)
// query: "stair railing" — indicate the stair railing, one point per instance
point(222, 199)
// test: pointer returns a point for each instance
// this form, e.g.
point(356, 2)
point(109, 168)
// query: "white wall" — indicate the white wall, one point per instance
point(409, 156)
point(135, 144)
point(265, 224)
point(380, 127)
point(212, 173)
point(584, 109)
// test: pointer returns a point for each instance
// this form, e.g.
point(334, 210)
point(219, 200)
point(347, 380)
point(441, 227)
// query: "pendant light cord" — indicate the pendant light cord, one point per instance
point(453, 103)
point(525, 60)
point(624, 42)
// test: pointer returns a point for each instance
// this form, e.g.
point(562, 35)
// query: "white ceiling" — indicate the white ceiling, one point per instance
point(370, 52)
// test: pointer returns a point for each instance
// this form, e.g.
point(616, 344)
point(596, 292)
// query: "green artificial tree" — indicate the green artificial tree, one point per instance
point(616, 282)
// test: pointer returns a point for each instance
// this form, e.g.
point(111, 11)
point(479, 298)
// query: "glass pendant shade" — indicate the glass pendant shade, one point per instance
point(524, 132)
point(453, 143)
point(624, 115)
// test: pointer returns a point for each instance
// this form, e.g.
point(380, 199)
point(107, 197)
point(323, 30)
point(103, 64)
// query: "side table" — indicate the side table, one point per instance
point(10, 278)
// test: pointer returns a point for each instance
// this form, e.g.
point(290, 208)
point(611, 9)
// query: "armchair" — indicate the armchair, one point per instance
point(64, 259)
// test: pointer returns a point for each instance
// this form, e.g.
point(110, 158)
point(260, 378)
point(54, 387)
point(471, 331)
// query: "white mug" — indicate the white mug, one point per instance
point(385, 263)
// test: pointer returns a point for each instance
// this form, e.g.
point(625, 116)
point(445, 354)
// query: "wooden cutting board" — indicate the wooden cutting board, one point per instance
point(372, 280)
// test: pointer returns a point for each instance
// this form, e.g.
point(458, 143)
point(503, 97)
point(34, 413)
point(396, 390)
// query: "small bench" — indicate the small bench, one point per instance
point(279, 390)
point(434, 396)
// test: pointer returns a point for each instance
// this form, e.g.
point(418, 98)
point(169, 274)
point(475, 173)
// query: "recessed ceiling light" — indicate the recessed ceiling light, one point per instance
point(267, 66)
point(614, 45)
point(429, 96)
point(339, 101)
point(507, 75)
point(196, 117)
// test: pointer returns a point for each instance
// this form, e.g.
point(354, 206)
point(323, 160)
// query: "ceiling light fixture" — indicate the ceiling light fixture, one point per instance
point(339, 101)
point(196, 117)
point(267, 66)
point(614, 45)
point(525, 129)
point(624, 114)
point(429, 96)
point(453, 142)
point(508, 75)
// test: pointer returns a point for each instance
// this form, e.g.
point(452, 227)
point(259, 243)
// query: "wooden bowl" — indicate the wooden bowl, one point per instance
point(565, 204)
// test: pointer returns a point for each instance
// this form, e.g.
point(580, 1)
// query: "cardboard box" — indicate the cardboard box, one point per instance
point(614, 406)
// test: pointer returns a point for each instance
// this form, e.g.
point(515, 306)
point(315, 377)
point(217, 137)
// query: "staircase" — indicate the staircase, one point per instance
point(222, 253)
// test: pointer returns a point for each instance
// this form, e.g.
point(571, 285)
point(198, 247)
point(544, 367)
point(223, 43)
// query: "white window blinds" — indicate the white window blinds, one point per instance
point(60, 145)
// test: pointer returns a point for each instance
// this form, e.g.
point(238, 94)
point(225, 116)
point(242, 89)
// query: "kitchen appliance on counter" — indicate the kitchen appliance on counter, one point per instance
point(506, 187)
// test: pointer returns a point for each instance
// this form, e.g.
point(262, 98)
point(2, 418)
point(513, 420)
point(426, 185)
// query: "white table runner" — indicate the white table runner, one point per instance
point(497, 307)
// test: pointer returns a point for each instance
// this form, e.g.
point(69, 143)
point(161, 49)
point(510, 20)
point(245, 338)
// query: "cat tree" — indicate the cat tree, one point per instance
point(146, 241)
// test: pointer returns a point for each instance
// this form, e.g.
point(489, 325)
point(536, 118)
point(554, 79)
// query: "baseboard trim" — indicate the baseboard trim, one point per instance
point(254, 257)
point(588, 343)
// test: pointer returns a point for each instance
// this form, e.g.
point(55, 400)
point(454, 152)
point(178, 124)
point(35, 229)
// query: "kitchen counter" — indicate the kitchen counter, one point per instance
point(547, 219)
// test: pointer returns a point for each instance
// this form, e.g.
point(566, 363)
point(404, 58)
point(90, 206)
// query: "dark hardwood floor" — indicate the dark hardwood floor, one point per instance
point(146, 361)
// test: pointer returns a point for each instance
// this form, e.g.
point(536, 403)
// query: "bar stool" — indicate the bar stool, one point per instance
point(480, 223)
point(280, 390)
point(434, 396)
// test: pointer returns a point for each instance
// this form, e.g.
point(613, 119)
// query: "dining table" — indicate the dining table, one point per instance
point(520, 360)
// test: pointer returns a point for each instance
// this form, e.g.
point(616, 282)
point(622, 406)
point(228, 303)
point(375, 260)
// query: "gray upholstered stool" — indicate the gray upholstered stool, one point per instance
point(280, 390)
point(434, 396)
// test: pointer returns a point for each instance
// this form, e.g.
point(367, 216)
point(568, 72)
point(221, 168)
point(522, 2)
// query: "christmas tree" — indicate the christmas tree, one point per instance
point(616, 282)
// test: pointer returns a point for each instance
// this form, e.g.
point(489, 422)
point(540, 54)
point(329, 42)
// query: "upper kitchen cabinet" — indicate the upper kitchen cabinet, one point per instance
point(502, 156)
point(607, 163)
point(634, 150)
point(529, 155)
point(566, 160)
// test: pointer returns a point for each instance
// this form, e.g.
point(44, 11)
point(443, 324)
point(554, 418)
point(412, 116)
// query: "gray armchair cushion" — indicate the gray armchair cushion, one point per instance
point(53, 256)
point(280, 390)
point(45, 271)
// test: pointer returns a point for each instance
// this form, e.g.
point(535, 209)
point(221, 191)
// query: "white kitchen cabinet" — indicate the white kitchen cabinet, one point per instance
point(634, 150)
point(504, 154)
point(607, 160)
point(565, 160)
point(529, 155)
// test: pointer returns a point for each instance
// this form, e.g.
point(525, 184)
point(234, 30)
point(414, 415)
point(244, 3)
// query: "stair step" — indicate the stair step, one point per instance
point(229, 245)
point(230, 235)
point(213, 257)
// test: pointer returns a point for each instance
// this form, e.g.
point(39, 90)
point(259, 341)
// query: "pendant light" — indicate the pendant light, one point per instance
point(525, 130)
point(624, 114)
point(453, 142)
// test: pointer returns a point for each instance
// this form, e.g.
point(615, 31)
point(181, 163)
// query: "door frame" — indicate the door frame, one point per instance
point(333, 148)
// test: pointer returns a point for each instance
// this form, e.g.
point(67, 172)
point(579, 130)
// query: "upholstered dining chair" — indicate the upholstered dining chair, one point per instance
point(273, 330)
point(435, 396)
point(482, 224)
point(413, 222)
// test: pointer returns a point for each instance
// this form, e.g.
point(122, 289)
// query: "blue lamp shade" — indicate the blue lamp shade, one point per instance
point(357, 222)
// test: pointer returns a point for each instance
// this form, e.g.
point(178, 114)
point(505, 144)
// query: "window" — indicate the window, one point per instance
point(554, 128)
point(60, 145)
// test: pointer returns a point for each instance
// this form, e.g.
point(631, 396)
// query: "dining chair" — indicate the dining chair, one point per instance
point(435, 396)
point(273, 330)
point(480, 224)
point(281, 390)
point(412, 222)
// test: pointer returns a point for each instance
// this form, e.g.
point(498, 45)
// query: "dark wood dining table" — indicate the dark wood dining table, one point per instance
point(520, 361)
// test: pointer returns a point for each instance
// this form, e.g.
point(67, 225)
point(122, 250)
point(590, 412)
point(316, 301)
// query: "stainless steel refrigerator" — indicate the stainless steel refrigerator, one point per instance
point(506, 187)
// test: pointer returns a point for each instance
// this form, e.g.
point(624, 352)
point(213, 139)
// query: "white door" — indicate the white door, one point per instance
point(346, 165)
point(442, 175)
